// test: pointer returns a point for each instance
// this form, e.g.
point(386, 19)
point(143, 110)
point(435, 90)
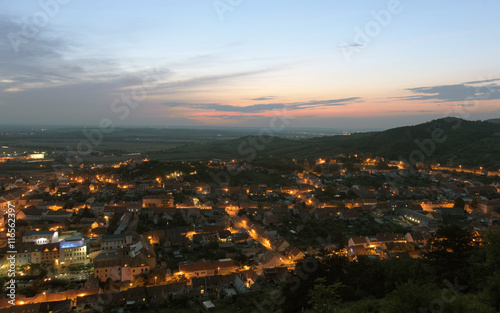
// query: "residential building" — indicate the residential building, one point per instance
point(41, 237)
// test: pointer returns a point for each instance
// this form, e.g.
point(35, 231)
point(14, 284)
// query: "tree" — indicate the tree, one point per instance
point(341, 205)
point(242, 212)
point(325, 298)
point(139, 281)
point(451, 239)
point(448, 251)
point(459, 203)
point(333, 168)
point(86, 213)
point(410, 297)
point(382, 165)
point(492, 249)
point(474, 204)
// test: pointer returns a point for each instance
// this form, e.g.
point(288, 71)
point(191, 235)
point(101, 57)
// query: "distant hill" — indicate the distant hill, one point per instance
point(494, 120)
point(468, 142)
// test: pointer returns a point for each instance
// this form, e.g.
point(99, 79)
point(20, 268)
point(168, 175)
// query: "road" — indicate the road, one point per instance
point(240, 223)
point(464, 170)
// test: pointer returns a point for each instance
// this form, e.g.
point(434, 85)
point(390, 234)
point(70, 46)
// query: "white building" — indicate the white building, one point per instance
point(73, 251)
point(41, 237)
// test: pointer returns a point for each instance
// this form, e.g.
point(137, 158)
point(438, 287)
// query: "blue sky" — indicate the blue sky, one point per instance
point(363, 64)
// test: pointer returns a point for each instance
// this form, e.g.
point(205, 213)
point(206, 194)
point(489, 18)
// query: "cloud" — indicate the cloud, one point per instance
point(34, 62)
point(260, 108)
point(413, 111)
point(211, 79)
point(483, 81)
point(263, 98)
point(322, 103)
point(233, 117)
point(256, 108)
point(456, 93)
point(47, 60)
point(352, 45)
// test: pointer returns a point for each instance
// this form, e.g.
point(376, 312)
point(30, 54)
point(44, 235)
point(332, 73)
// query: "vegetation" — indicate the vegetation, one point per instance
point(470, 143)
point(455, 276)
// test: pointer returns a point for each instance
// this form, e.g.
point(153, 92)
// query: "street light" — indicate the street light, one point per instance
point(156, 279)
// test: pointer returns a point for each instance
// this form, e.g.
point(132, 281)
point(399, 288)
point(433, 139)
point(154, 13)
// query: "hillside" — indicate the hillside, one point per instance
point(470, 142)
point(494, 120)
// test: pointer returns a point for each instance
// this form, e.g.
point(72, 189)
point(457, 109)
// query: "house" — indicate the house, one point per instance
point(446, 211)
point(215, 284)
point(65, 295)
point(114, 242)
point(56, 216)
point(110, 210)
point(97, 208)
point(208, 305)
point(326, 213)
point(360, 250)
point(41, 237)
point(56, 205)
point(133, 207)
point(276, 275)
point(417, 237)
point(31, 213)
point(160, 201)
point(41, 307)
point(160, 293)
point(50, 253)
point(349, 215)
point(489, 206)
point(295, 254)
point(242, 237)
point(246, 281)
point(125, 263)
point(272, 220)
point(209, 268)
point(379, 239)
point(480, 190)
point(156, 236)
point(204, 239)
point(88, 303)
point(115, 266)
point(397, 247)
point(12, 197)
point(417, 217)
point(269, 259)
point(279, 244)
point(129, 297)
point(357, 241)
point(25, 253)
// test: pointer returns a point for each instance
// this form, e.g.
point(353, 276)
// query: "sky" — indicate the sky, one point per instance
point(324, 63)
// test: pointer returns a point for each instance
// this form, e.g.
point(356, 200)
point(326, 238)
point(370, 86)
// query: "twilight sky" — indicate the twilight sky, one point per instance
point(335, 64)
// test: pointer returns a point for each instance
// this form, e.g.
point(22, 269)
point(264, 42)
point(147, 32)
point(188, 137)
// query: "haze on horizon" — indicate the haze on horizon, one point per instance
point(332, 64)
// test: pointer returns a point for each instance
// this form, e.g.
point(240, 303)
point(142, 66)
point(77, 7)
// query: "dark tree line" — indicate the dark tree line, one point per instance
point(456, 274)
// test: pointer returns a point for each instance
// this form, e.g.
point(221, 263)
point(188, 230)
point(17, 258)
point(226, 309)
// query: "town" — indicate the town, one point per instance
point(147, 234)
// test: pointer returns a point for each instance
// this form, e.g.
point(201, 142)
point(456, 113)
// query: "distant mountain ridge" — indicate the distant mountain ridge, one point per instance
point(441, 140)
point(494, 120)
